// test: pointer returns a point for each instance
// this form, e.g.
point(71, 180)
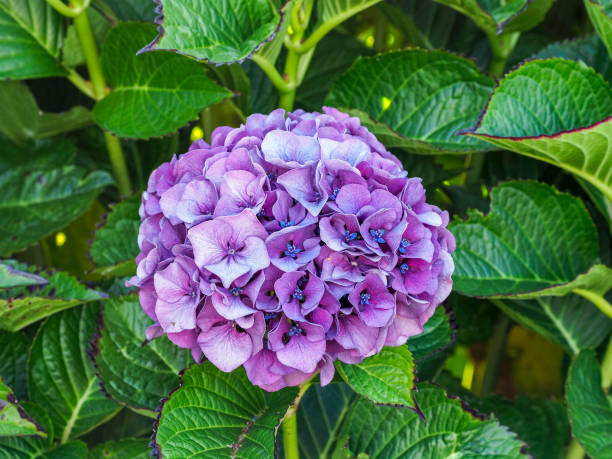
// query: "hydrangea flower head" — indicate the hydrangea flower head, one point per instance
point(287, 243)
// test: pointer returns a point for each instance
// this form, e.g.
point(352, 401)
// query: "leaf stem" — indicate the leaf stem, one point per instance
point(501, 47)
point(80, 83)
point(272, 73)
point(606, 367)
point(287, 98)
point(98, 83)
point(597, 299)
point(495, 352)
point(290, 432)
point(575, 450)
point(68, 11)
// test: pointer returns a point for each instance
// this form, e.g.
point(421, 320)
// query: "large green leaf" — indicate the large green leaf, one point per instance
point(589, 409)
point(243, 418)
point(123, 449)
point(535, 242)
point(384, 432)
point(600, 12)
point(558, 111)
point(22, 306)
point(30, 39)
point(135, 373)
point(61, 376)
point(11, 277)
point(115, 244)
point(32, 447)
point(37, 154)
point(415, 99)
point(428, 348)
point(497, 16)
point(386, 377)
point(14, 420)
point(35, 203)
point(570, 320)
point(220, 31)
point(540, 423)
point(153, 94)
point(133, 10)
point(320, 415)
point(14, 349)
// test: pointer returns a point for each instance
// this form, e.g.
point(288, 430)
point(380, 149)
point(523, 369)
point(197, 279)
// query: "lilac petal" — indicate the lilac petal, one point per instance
point(240, 190)
point(176, 317)
point(198, 201)
point(353, 151)
point(288, 150)
point(352, 198)
point(302, 185)
point(169, 202)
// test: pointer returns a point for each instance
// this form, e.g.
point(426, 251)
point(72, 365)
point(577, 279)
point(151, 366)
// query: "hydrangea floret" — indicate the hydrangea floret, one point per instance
point(287, 243)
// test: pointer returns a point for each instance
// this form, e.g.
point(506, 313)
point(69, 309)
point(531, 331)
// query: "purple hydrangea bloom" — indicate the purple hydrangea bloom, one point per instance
point(287, 243)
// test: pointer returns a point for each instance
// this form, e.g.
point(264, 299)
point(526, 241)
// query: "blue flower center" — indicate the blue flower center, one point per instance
point(403, 245)
point(377, 235)
point(349, 236)
point(295, 330)
point(334, 194)
point(292, 251)
point(298, 294)
point(235, 291)
point(270, 315)
point(403, 268)
point(286, 224)
point(364, 298)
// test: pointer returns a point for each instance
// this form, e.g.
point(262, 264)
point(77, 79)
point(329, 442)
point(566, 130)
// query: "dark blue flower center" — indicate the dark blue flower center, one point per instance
point(292, 251)
point(377, 235)
point(286, 224)
point(403, 268)
point(235, 291)
point(334, 194)
point(295, 330)
point(403, 245)
point(349, 236)
point(364, 298)
point(298, 294)
point(270, 315)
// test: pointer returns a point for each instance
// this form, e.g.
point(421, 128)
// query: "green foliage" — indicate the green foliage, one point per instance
point(135, 372)
point(219, 31)
point(61, 376)
point(13, 360)
point(243, 418)
point(415, 99)
point(589, 409)
point(14, 421)
point(601, 17)
point(132, 448)
point(163, 90)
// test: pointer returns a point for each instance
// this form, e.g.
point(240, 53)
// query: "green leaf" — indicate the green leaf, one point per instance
point(243, 417)
point(219, 31)
point(415, 99)
point(320, 415)
point(570, 321)
point(72, 51)
point(153, 94)
point(115, 244)
point(14, 420)
point(556, 111)
point(51, 124)
point(386, 377)
point(497, 16)
point(135, 373)
point(535, 242)
point(11, 277)
point(61, 376)
point(30, 39)
point(588, 408)
point(437, 334)
point(32, 447)
point(384, 432)
point(133, 10)
point(22, 306)
point(14, 349)
point(35, 203)
point(127, 448)
point(37, 154)
point(541, 424)
point(600, 12)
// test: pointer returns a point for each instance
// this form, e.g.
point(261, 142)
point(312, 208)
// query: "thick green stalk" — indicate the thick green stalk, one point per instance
point(287, 98)
point(606, 367)
point(575, 450)
point(597, 299)
point(98, 84)
point(290, 428)
point(495, 354)
point(501, 47)
point(68, 11)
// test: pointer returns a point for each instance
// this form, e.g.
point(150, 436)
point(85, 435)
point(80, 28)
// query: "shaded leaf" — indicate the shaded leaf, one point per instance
point(19, 117)
point(30, 39)
point(242, 416)
point(219, 31)
point(14, 420)
point(389, 433)
point(126, 448)
point(32, 447)
point(45, 154)
point(556, 111)
point(51, 124)
point(14, 349)
point(61, 376)
point(72, 51)
point(415, 99)
point(11, 277)
point(153, 93)
point(22, 306)
point(437, 334)
point(134, 10)
point(534, 242)
point(386, 377)
point(600, 12)
point(115, 244)
point(589, 409)
point(133, 372)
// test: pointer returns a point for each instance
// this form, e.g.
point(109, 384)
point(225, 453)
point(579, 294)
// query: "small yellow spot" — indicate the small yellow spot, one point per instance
point(485, 191)
point(370, 41)
point(467, 378)
point(446, 183)
point(385, 102)
point(196, 133)
point(60, 239)
point(290, 30)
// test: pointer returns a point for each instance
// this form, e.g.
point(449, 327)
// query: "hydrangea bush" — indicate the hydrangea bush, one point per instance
point(305, 228)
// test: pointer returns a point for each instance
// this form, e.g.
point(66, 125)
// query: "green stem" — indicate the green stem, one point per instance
point(79, 82)
point(98, 84)
point(575, 450)
point(501, 47)
point(68, 11)
point(290, 432)
point(287, 98)
point(475, 162)
point(606, 367)
point(272, 73)
point(597, 299)
point(207, 122)
point(495, 353)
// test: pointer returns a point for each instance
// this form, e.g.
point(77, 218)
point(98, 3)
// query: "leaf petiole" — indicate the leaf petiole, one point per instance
point(597, 299)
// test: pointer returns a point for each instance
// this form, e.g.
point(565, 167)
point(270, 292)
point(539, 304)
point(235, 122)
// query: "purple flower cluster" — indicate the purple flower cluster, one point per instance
point(289, 242)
